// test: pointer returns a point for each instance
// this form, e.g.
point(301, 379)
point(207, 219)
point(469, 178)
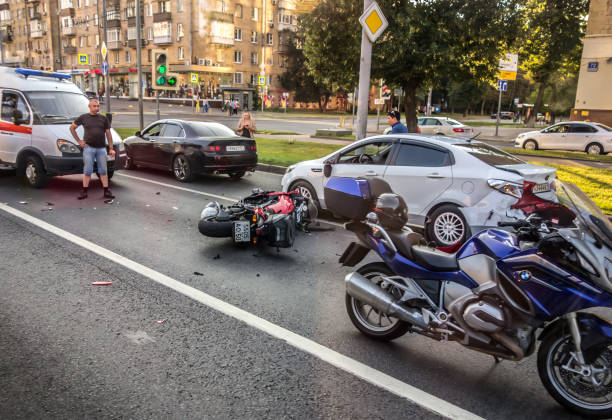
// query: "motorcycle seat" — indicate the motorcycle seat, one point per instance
point(433, 259)
point(404, 241)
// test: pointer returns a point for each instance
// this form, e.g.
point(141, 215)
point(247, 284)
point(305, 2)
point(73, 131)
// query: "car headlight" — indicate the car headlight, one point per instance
point(66, 146)
point(506, 187)
point(290, 168)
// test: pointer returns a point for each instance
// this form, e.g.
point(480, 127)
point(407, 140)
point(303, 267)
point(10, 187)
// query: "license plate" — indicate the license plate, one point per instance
point(242, 231)
point(540, 188)
point(235, 148)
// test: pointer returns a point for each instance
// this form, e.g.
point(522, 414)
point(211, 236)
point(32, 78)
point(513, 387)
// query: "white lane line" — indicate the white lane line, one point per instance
point(358, 369)
point(176, 187)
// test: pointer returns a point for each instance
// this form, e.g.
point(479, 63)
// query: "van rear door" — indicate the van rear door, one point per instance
point(13, 137)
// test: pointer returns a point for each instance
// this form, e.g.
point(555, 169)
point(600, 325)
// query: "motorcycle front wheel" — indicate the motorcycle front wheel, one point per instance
point(370, 321)
point(583, 390)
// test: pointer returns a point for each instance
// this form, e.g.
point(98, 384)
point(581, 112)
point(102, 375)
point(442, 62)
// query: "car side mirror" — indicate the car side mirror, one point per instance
point(18, 117)
point(138, 134)
point(327, 169)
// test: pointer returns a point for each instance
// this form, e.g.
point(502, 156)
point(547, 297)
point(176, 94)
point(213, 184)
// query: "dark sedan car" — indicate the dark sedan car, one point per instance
point(189, 148)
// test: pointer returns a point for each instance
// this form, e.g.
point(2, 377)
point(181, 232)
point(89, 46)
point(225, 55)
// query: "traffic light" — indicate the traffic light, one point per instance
point(386, 92)
point(160, 71)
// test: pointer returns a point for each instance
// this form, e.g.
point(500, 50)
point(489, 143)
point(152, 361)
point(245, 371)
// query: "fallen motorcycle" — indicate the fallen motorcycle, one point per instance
point(499, 294)
point(267, 216)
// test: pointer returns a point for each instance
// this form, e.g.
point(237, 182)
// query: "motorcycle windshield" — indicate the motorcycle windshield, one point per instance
point(588, 215)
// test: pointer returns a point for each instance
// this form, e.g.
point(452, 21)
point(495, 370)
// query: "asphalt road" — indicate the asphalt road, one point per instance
point(75, 350)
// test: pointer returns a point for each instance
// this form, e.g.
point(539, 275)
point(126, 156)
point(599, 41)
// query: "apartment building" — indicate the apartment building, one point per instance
point(594, 92)
point(230, 44)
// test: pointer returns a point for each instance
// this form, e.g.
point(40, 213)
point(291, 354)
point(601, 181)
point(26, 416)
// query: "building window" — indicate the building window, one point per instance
point(96, 21)
point(237, 57)
point(113, 35)
point(150, 34)
point(237, 34)
point(164, 7)
point(255, 13)
point(86, 3)
point(238, 78)
point(254, 37)
point(238, 12)
point(116, 58)
point(221, 6)
point(253, 79)
point(253, 58)
point(269, 80)
point(149, 9)
point(78, 4)
point(98, 58)
point(179, 5)
point(81, 39)
point(128, 57)
point(97, 40)
point(179, 31)
point(269, 38)
point(162, 32)
point(149, 55)
point(181, 53)
point(220, 56)
point(87, 38)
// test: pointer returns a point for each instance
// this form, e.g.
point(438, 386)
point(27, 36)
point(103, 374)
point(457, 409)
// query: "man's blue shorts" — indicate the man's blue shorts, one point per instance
point(91, 153)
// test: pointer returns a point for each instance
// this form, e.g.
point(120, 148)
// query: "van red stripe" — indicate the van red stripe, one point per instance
point(6, 126)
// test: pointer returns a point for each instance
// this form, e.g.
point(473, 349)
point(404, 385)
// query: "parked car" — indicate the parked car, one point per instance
point(91, 95)
point(189, 148)
point(540, 117)
point(592, 138)
point(444, 126)
point(453, 187)
point(36, 111)
point(504, 115)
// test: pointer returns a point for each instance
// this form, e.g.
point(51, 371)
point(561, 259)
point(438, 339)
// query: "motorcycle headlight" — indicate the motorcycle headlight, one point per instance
point(66, 146)
point(290, 168)
point(506, 187)
point(210, 211)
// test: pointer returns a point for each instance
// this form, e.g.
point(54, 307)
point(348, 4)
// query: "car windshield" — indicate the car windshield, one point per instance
point(489, 154)
point(453, 122)
point(211, 130)
point(603, 127)
point(53, 107)
point(596, 221)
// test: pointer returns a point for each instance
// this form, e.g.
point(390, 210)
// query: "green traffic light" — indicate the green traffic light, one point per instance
point(172, 81)
point(161, 69)
point(161, 80)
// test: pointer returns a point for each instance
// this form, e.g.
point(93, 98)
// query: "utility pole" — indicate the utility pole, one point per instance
point(2, 47)
point(139, 64)
point(365, 64)
point(498, 111)
point(429, 102)
point(107, 76)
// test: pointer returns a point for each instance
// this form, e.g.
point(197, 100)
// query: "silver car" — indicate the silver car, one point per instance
point(444, 126)
point(453, 187)
point(592, 138)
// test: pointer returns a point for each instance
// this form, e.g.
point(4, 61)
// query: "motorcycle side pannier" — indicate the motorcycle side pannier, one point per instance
point(353, 198)
point(281, 230)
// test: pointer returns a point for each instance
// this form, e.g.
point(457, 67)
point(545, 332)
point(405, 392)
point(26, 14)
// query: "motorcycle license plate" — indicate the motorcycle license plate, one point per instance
point(242, 231)
point(235, 148)
point(540, 188)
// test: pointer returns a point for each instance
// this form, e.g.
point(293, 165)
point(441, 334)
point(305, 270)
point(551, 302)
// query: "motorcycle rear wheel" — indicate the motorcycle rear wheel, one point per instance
point(368, 320)
point(574, 391)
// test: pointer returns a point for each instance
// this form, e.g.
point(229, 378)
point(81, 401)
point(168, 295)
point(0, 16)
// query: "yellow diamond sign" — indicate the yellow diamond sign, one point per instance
point(373, 21)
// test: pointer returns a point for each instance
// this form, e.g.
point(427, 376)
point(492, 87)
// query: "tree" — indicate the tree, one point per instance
point(296, 77)
point(552, 44)
point(428, 40)
point(332, 45)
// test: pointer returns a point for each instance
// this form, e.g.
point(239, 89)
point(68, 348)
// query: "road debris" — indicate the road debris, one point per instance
point(101, 283)
point(174, 208)
point(23, 202)
point(197, 273)
point(50, 204)
point(217, 257)
point(160, 321)
point(47, 209)
point(109, 201)
point(257, 274)
point(157, 193)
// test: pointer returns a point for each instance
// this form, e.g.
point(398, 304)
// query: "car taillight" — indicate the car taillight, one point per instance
point(528, 186)
point(253, 147)
point(213, 148)
point(458, 130)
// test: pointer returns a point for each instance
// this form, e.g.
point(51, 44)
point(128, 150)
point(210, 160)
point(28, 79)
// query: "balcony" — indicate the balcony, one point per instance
point(287, 4)
point(4, 5)
point(283, 48)
point(162, 40)
point(221, 16)
point(37, 33)
point(133, 43)
point(7, 34)
point(68, 31)
point(68, 11)
point(69, 49)
point(35, 16)
point(115, 45)
point(13, 60)
point(113, 19)
point(162, 17)
point(2, 2)
point(32, 1)
point(221, 40)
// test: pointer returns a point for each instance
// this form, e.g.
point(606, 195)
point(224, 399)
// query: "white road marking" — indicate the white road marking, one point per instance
point(345, 363)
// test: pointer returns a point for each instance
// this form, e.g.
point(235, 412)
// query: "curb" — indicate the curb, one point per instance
point(264, 167)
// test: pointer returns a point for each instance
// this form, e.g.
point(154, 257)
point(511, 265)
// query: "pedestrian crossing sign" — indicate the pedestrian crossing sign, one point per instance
point(262, 80)
point(83, 59)
point(194, 78)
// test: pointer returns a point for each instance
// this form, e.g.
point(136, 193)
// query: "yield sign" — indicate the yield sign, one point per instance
point(103, 50)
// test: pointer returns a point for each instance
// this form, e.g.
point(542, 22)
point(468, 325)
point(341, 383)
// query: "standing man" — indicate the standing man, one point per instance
point(394, 122)
point(94, 147)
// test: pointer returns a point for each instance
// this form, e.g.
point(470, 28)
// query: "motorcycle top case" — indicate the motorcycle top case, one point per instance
point(353, 198)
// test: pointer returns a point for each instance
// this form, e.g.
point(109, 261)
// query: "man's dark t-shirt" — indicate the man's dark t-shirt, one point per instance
point(95, 127)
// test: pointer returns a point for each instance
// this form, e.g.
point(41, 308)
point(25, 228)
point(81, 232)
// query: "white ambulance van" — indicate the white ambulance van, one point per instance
point(36, 111)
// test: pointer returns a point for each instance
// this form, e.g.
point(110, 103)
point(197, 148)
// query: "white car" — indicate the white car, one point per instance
point(453, 187)
point(444, 126)
point(592, 138)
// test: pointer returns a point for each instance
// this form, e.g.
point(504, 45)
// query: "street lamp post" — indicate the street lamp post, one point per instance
point(364, 81)
point(107, 76)
point(2, 47)
point(139, 64)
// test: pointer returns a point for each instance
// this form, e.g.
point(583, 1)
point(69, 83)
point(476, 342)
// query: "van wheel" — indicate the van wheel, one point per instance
point(34, 172)
point(307, 191)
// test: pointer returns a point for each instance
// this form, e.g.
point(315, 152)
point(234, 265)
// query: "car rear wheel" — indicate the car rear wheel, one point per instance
point(530, 145)
point(181, 169)
point(594, 149)
point(446, 226)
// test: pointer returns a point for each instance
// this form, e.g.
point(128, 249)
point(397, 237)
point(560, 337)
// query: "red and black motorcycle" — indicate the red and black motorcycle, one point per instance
point(267, 216)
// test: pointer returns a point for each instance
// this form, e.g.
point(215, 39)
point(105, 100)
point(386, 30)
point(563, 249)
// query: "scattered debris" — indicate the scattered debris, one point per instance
point(217, 257)
point(101, 283)
point(160, 321)
point(322, 262)
point(23, 202)
point(50, 204)
point(257, 274)
point(197, 273)
point(295, 250)
point(147, 205)
point(174, 208)
point(47, 209)
point(157, 193)
point(170, 220)
point(109, 201)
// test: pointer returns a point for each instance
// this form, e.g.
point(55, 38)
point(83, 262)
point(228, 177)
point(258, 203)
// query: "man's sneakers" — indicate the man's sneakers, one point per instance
point(108, 193)
point(83, 194)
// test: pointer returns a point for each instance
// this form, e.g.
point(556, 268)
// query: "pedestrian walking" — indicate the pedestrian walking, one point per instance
point(394, 122)
point(96, 127)
point(237, 107)
point(231, 108)
point(206, 105)
point(246, 125)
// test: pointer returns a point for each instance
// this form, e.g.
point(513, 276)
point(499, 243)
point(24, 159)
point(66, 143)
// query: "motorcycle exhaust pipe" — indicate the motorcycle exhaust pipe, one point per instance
point(369, 293)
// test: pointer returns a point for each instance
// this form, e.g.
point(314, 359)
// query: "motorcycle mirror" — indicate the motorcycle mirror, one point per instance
point(256, 191)
point(327, 170)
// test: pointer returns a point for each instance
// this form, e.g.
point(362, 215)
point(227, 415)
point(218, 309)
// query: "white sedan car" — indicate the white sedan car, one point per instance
point(592, 138)
point(453, 187)
point(444, 126)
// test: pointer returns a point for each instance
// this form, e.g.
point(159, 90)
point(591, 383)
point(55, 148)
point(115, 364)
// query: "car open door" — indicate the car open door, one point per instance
point(14, 133)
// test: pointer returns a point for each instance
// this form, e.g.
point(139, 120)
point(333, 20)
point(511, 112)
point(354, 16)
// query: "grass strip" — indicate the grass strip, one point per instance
point(274, 132)
point(285, 152)
point(559, 154)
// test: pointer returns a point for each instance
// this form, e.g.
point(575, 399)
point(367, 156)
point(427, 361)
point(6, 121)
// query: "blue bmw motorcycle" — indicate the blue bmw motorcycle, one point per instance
point(499, 294)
